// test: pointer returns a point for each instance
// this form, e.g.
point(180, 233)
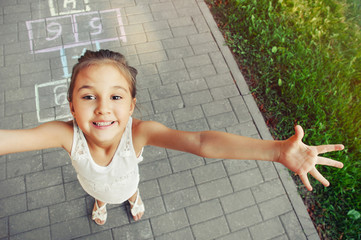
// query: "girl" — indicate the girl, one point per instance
point(105, 143)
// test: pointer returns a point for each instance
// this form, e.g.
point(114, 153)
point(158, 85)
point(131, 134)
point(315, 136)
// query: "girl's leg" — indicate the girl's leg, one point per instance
point(136, 202)
point(99, 212)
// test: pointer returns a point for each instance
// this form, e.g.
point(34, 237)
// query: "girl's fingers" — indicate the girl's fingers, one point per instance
point(329, 162)
point(329, 148)
point(299, 133)
point(317, 175)
point(305, 181)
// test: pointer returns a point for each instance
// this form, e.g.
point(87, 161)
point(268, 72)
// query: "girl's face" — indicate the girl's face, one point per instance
point(102, 103)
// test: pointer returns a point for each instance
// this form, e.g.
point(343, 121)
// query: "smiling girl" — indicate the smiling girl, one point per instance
point(105, 143)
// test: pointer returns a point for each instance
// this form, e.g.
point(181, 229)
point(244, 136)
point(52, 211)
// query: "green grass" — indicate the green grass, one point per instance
point(302, 60)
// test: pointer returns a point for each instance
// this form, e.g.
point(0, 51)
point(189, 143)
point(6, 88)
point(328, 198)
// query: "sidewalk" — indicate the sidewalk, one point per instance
point(187, 80)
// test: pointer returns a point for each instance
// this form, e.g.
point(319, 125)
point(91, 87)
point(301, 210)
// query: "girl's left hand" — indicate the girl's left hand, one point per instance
point(302, 159)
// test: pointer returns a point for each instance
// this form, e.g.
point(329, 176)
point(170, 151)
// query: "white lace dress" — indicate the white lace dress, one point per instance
point(114, 183)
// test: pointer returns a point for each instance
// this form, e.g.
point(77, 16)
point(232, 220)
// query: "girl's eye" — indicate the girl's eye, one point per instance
point(89, 97)
point(117, 98)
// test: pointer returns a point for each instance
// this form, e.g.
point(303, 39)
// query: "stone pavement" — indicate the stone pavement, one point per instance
point(188, 80)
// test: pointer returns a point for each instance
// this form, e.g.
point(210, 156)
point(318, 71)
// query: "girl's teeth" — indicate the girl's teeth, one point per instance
point(101, 124)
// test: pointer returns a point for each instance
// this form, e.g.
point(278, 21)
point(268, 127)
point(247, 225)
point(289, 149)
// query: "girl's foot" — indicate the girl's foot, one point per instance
point(99, 214)
point(136, 206)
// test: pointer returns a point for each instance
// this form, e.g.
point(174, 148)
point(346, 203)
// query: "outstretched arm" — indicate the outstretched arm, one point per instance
point(292, 153)
point(47, 135)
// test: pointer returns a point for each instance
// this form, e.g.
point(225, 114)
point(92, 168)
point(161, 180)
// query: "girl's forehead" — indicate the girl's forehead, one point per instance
point(101, 74)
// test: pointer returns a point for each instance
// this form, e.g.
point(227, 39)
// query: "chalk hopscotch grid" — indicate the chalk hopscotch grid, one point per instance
point(56, 90)
point(74, 24)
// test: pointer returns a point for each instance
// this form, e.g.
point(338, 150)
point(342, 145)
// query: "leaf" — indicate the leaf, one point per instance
point(274, 49)
point(354, 214)
point(280, 82)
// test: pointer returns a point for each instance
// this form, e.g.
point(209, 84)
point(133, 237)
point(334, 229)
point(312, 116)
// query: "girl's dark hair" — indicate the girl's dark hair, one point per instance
point(91, 58)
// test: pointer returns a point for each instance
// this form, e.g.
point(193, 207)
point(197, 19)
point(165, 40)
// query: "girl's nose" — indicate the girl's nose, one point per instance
point(102, 107)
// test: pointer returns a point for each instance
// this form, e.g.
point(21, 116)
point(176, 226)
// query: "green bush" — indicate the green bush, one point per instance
point(303, 63)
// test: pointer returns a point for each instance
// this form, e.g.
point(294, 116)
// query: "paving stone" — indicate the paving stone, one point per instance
point(185, 161)
point(176, 43)
point(56, 159)
point(159, 35)
point(140, 9)
point(180, 22)
point(149, 47)
point(40, 233)
point(205, 48)
point(169, 222)
point(192, 86)
point(45, 197)
point(134, 231)
point(174, 76)
point(215, 189)
point(268, 190)
point(244, 218)
point(267, 230)
point(170, 66)
point(188, 114)
point(211, 229)
point(43, 179)
point(224, 92)
point(194, 125)
point(292, 226)
point(28, 220)
point(168, 104)
point(246, 179)
point(70, 229)
point(204, 211)
point(140, 18)
point(13, 205)
point(201, 24)
point(242, 234)
point(197, 98)
point(200, 38)
point(209, 172)
point(98, 236)
point(275, 207)
point(182, 234)
point(67, 210)
point(155, 169)
point(2, 170)
point(165, 15)
point(219, 80)
point(222, 120)
point(151, 154)
point(201, 71)
point(154, 207)
point(73, 190)
point(176, 182)
point(181, 199)
point(164, 91)
point(149, 81)
point(183, 31)
point(12, 186)
point(180, 52)
point(4, 229)
point(237, 201)
point(24, 166)
point(156, 26)
point(268, 170)
point(151, 189)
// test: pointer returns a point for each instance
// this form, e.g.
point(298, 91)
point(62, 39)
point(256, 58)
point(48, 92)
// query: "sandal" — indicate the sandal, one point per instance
point(100, 213)
point(136, 207)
